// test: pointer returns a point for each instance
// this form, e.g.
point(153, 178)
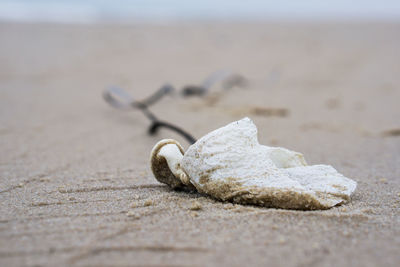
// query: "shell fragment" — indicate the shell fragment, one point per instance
point(230, 165)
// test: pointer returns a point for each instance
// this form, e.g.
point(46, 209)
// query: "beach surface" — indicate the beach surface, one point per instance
point(75, 181)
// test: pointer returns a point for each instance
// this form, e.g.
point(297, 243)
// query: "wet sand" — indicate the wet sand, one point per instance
point(75, 182)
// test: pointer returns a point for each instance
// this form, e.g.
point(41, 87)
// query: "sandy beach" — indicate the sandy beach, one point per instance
point(75, 182)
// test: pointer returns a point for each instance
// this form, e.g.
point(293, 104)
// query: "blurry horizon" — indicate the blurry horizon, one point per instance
point(125, 11)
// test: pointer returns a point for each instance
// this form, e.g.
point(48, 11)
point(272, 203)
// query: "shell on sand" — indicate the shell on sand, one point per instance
point(230, 165)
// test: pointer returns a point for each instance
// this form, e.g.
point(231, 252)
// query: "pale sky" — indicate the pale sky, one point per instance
point(125, 10)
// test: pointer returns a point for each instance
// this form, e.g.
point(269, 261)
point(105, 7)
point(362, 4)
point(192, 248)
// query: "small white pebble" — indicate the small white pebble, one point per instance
point(132, 214)
point(282, 240)
point(383, 180)
point(196, 206)
point(148, 202)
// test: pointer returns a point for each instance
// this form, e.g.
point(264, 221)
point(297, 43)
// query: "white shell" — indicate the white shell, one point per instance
point(229, 164)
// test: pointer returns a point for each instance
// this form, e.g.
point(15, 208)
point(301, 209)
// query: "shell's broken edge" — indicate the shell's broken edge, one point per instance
point(229, 164)
point(266, 197)
point(160, 168)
